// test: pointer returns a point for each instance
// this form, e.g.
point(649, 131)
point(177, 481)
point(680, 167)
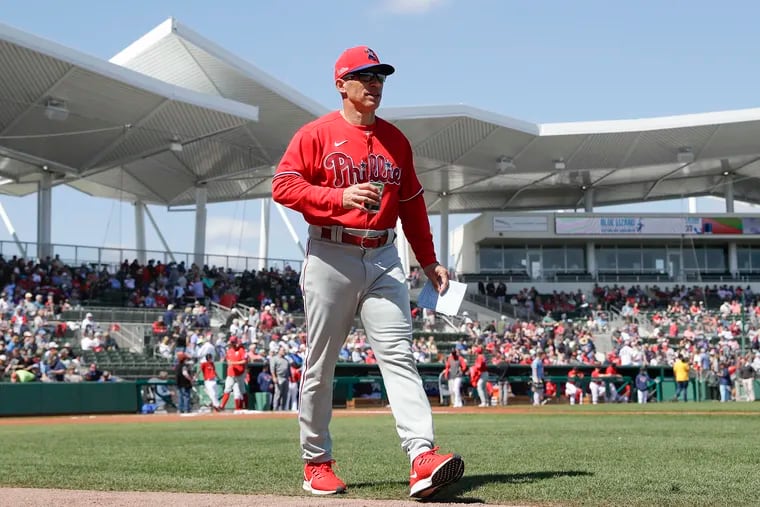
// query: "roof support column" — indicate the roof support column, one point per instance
point(403, 248)
point(44, 215)
point(729, 196)
point(140, 231)
point(444, 207)
point(264, 234)
point(733, 255)
point(199, 252)
point(733, 258)
point(591, 258)
point(588, 200)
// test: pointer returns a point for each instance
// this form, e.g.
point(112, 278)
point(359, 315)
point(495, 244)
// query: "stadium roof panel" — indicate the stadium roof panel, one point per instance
point(479, 160)
point(89, 122)
point(173, 84)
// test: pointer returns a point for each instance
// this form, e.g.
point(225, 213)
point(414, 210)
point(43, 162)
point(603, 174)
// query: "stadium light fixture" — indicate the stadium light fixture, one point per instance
point(685, 155)
point(505, 163)
point(56, 110)
point(175, 145)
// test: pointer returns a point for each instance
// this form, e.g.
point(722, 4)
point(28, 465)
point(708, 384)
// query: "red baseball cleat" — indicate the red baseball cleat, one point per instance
point(320, 479)
point(431, 471)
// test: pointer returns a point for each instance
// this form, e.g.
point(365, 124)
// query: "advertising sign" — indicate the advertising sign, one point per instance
point(633, 225)
point(627, 225)
point(521, 223)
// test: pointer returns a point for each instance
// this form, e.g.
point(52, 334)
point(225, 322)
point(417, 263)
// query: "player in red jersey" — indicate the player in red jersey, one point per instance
point(351, 175)
point(235, 381)
point(208, 370)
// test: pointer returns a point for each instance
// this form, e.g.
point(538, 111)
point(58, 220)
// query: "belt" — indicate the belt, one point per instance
point(352, 239)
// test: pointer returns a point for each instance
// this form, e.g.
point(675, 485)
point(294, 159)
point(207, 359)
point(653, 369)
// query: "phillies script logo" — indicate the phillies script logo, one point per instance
point(375, 168)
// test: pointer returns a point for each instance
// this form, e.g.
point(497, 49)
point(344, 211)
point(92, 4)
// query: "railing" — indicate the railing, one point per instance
point(131, 336)
point(493, 303)
point(76, 255)
point(218, 314)
point(119, 314)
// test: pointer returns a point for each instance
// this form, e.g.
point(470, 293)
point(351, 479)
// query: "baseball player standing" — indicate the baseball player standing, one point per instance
point(351, 175)
point(208, 369)
point(235, 381)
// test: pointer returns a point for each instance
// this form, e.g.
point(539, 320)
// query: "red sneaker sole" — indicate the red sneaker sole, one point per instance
point(449, 473)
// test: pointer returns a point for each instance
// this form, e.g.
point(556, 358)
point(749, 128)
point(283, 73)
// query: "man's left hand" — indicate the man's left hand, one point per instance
point(439, 276)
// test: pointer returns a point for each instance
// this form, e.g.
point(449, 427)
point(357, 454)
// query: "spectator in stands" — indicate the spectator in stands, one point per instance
point(202, 319)
point(109, 342)
point(205, 348)
point(72, 374)
point(93, 373)
point(55, 370)
point(88, 325)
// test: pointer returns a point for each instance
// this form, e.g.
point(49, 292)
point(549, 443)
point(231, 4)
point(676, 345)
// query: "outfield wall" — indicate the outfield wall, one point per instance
point(351, 381)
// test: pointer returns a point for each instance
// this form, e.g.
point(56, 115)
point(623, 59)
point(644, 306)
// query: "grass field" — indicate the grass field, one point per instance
point(674, 454)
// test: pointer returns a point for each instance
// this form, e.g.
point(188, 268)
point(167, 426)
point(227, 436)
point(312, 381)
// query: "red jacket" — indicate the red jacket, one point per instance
point(329, 154)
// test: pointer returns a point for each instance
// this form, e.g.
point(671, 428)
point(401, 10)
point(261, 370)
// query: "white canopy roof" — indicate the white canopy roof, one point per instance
point(484, 161)
point(175, 54)
point(173, 84)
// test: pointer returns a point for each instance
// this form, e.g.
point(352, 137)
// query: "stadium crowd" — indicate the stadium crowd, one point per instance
point(700, 325)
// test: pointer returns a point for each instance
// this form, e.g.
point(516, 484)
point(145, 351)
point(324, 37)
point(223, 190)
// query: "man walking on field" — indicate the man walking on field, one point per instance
point(351, 175)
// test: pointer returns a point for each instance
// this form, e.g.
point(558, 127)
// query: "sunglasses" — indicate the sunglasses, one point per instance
point(365, 77)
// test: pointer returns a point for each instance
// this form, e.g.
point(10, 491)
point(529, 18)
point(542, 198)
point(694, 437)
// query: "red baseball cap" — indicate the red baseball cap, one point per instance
point(360, 58)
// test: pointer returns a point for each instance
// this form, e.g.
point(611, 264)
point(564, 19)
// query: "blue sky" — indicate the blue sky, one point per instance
point(538, 61)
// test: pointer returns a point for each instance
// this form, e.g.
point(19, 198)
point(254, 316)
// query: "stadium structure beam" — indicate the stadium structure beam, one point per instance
point(199, 251)
point(140, 231)
point(444, 207)
point(158, 231)
point(264, 233)
point(44, 215)
point(403, 248)
point(12, 230)
point(291, 229)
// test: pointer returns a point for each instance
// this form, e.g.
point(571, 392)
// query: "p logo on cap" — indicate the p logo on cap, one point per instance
point(360, 58)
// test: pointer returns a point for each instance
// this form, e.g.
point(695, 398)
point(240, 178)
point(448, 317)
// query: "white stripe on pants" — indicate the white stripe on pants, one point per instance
point(210, 386)
point(339, 281)
point(455, 392)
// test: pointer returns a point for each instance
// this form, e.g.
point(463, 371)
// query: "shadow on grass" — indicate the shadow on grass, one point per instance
point(456, 493)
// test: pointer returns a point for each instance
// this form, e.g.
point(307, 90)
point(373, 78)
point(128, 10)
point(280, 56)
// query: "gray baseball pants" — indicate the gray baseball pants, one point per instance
point(340, 281)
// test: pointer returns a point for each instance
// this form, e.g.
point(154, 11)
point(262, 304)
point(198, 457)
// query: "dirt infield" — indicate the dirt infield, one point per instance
point(69, 498)
point(250, 414)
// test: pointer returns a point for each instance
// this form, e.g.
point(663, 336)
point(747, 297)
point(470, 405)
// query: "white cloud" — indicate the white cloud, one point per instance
point(410, 6)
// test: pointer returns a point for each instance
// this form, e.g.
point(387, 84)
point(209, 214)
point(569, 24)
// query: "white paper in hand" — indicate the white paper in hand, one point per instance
point(447, 303)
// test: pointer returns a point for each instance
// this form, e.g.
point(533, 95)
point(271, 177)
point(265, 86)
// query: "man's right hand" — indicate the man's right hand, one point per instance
point(359, 195)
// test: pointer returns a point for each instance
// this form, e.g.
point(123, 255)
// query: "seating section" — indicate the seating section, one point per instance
point(125, 364)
